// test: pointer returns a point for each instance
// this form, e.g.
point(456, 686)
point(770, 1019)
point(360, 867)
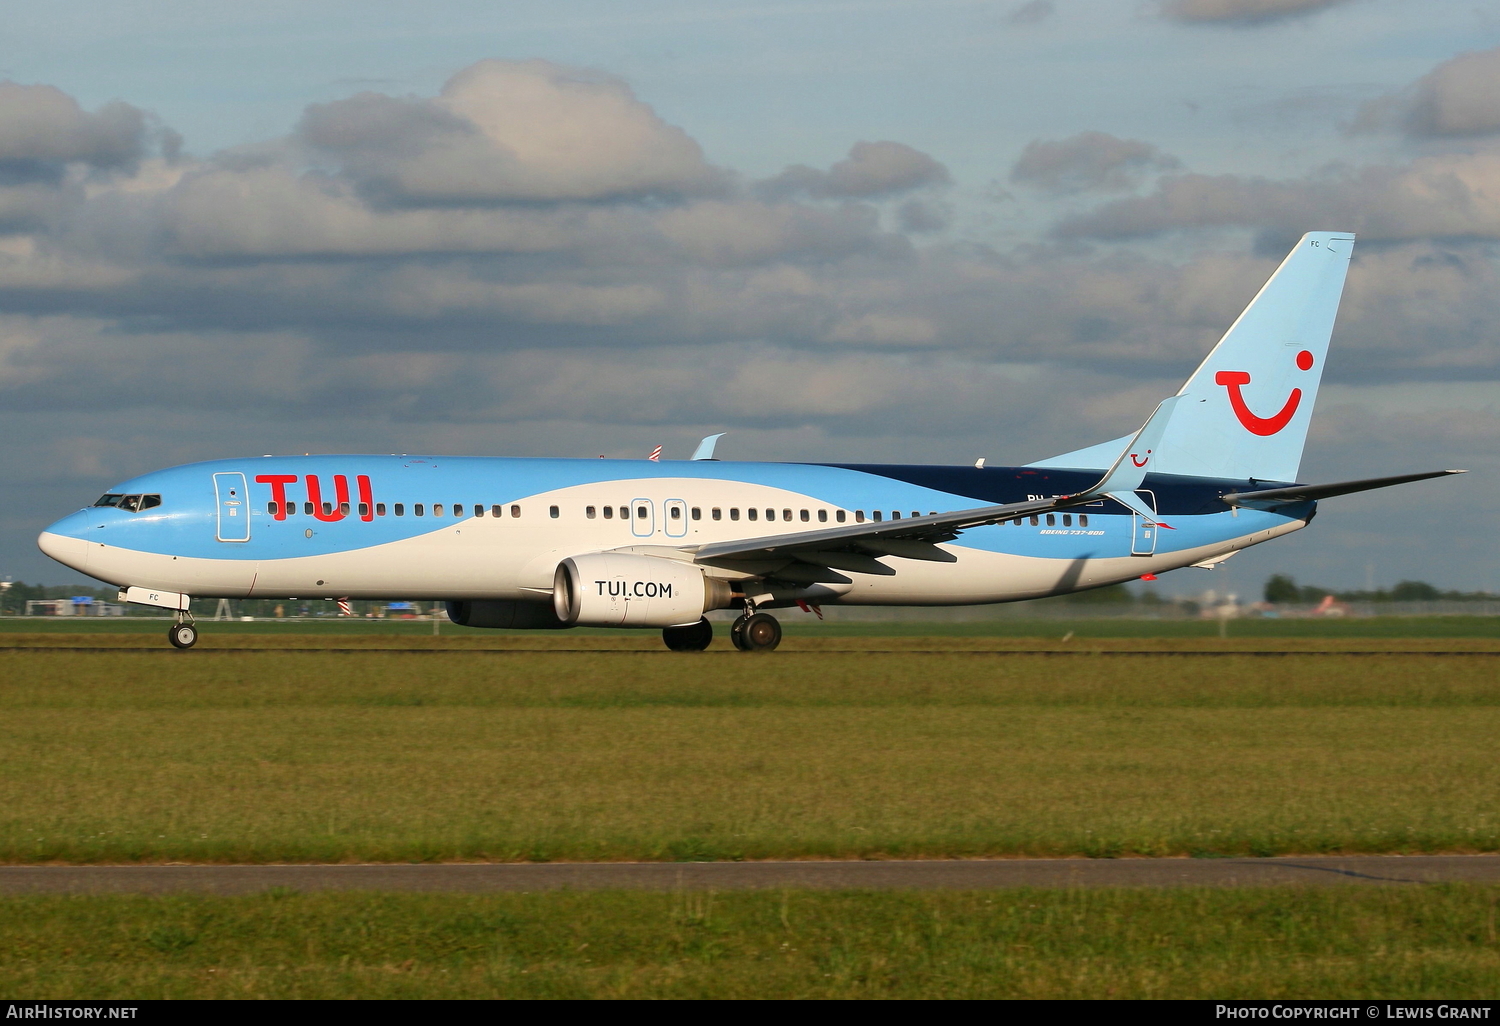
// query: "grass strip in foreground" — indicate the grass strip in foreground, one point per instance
point(324, 757)
point(1435, 941)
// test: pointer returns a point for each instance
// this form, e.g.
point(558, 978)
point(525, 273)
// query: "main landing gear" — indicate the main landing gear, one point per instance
point(692, 638)
point(758, 632)
point(183, 634)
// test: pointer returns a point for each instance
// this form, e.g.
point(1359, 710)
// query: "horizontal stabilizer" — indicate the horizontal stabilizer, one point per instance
point(1268, 497)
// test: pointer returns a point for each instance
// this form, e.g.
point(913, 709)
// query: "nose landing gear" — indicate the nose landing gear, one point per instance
point(758, 632)
point(183, 633)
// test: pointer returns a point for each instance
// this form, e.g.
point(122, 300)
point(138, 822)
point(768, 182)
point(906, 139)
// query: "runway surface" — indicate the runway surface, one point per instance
point(726, 876)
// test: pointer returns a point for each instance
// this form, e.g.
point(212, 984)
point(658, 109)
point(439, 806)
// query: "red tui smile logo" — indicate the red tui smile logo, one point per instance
point(1141, 461)
point(1265, 426)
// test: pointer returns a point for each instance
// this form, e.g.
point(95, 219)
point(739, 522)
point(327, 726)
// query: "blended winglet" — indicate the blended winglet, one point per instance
point(1135, 460)
point(705, 450)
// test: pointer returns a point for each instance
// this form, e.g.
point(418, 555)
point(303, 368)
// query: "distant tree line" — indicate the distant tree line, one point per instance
point(1283, 589)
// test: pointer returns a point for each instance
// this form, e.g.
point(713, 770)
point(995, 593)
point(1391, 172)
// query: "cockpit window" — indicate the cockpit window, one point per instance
point(129, 503)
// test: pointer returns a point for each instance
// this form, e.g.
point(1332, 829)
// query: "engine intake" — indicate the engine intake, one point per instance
point(609, 590)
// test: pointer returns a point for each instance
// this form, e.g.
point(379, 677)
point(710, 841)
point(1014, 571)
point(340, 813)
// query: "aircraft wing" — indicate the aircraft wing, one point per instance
point(1267, 497)
point(854, 546)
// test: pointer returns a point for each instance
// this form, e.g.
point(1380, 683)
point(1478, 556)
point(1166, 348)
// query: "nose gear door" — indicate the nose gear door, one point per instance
point(233, 521)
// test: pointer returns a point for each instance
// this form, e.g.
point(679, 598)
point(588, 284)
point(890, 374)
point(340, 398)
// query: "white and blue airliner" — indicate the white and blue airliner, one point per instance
point(557, 543)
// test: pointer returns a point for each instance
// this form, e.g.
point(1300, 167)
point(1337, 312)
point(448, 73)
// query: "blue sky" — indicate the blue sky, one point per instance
point(271, 288)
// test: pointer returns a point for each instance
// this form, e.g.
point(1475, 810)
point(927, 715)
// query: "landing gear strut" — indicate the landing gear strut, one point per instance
point(758, 632)
point(692, 638)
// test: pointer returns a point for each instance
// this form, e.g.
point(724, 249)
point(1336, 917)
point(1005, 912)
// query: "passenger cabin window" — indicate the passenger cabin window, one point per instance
point(697, 513)
point(497, 511)
point(458, 509)
point(416, 510)
point(716, 513)
point(609, 512)
point(380, 509)
point(364, 509)
point(876, 515)
point(839, 516)
point(895, 514)
point(307, 509)
point(552, 511)
point(437, 509)
point(916, 513)
point(271, 508)
point(822, 516)
point(771, 514)
point(675, 513)
point(752, 513)
point(515, 511)
point(400, 509)
point(859, 516)
point(734, 513)
point(1083, 520)
point(344, 508)
point(478, 510)
point(328, 509)
point(786, 514)
point(590, 512)
point(1067, 520)
point(291, 509)
point(641, 512)
point(1035, 521)
point(1051, 520)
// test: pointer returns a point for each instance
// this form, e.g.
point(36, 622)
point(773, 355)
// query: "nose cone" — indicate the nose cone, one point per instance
point(67, 540)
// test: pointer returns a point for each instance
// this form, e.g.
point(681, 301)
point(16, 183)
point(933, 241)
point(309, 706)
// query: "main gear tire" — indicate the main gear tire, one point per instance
point(760, 633)
point(692, 638)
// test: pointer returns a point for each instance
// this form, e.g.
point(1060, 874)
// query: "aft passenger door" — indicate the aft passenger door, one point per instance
point(1143, 534)
point(232, 523)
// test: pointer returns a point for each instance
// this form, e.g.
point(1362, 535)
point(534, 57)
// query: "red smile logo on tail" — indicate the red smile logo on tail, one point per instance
point(1233, 380)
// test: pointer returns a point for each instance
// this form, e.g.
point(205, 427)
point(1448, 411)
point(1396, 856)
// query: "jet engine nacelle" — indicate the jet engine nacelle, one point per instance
point(621, 590)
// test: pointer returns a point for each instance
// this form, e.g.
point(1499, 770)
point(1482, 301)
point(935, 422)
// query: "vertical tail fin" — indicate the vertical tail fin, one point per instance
point(1245, 411)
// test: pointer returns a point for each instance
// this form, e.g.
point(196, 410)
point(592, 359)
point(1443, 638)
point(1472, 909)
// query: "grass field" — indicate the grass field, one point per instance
point(929, 747)
point(1351, 943)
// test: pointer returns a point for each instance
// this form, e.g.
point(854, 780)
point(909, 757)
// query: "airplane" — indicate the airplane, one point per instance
point(558, 543)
